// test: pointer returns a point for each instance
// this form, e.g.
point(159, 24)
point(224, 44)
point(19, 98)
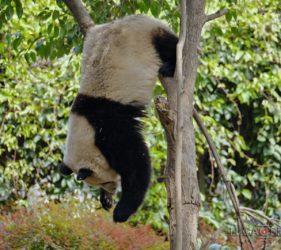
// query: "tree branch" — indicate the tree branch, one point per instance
point(179, 123)
point(166, 116)
point(255, 213)
point(80, 14)
point(169, 85)
point(215, 15)
point(229, 186)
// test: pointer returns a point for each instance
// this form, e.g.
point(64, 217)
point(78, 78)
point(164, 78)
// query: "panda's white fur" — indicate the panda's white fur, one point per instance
point(127, 61)
point(120, 63)
point(81, 152)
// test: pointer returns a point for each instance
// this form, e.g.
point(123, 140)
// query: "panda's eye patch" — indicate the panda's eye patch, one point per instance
point(83, 173)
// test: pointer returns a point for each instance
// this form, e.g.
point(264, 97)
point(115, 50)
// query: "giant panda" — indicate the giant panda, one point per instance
point(104, 145)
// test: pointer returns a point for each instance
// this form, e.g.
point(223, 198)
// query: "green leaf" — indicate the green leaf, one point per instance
point(26, 57)
point(19, 8)
point(247, 194)
point(217, 30)
point(228, 16)
point(155, 8)
point(55, 15)
point(9, 12)
point(32, 55)
point(56, 31)
point(50, 28)
point(16, 43)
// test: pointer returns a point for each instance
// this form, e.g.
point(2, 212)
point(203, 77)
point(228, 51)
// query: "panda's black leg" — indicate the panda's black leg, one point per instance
point(105, 199)
point(167, 69)
point(165, 44)
point(134, 181)
point(83, 173)
point(65, 170)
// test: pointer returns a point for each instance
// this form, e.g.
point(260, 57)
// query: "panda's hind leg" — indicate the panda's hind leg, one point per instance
point(165, 44)
point(167, 69)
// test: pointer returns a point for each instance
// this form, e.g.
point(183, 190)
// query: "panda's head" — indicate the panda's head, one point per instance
point(83, 157)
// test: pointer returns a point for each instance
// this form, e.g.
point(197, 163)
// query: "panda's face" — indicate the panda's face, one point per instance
point(82, 153)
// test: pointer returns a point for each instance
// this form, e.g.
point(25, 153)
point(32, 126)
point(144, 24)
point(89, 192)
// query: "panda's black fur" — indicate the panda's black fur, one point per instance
point(122, 144)
point(110, 115)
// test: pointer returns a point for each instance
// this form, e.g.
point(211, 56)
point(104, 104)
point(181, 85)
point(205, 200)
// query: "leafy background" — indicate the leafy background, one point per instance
point(238, 93)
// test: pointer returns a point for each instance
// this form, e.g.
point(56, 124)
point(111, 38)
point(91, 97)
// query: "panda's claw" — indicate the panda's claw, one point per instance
point(65, 170)
point(83, 173)
point(106, 199)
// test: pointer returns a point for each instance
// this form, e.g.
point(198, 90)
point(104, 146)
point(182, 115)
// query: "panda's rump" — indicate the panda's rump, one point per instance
point(124, 56)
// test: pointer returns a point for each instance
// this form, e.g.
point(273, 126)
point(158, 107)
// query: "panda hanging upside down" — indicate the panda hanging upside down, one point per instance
point(121, 62)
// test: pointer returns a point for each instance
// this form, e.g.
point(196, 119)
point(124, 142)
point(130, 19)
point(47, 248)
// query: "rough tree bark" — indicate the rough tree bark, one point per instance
point(168, 110)
point(190, 189)
point(195, 18)
point(80, 14)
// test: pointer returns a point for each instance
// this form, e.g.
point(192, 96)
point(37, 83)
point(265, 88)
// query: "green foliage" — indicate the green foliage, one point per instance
point(238, 91)
point(72, 225)
point(35, 97)
point(239, 80)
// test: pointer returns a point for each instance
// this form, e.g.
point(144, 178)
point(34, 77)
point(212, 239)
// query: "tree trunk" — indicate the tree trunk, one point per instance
point(190, 190)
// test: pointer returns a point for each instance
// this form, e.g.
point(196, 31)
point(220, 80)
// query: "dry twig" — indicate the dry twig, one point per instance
point(229, 186)
point(215, 15)
point(258, 214)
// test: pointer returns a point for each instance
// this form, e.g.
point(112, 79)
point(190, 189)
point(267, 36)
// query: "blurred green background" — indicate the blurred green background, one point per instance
point(238, 93)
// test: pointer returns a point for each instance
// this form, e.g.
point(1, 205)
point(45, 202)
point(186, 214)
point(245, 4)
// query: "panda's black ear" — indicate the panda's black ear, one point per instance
point(83, 173)
point(65, 170)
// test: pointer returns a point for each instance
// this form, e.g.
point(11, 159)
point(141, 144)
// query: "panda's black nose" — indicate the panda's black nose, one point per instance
point(83, 173)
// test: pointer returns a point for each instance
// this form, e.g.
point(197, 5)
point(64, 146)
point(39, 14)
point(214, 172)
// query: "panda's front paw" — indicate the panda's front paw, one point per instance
point(106, 199)
point(122, 213)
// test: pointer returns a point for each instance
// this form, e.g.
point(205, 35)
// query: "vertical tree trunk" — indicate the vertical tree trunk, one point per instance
point(167, 112)
point(190, 189)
